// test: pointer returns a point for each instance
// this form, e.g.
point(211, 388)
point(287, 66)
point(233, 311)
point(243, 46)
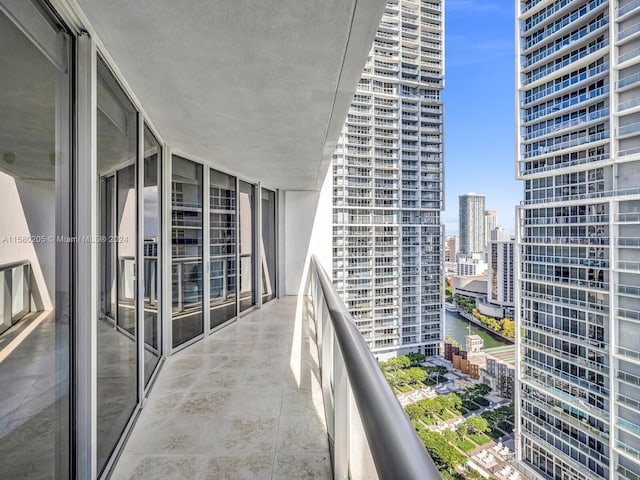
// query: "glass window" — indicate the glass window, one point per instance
point(35, 314)
point(246, 214)
point(116, 320)
point(268, 245)
point(151, 265)
point(222, 270)
point(186, 250)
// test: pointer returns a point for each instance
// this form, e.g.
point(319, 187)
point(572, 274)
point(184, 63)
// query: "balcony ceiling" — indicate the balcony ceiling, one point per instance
point(257, 87)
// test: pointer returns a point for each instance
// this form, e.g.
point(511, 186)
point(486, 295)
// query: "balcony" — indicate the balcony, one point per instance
point(261, 399)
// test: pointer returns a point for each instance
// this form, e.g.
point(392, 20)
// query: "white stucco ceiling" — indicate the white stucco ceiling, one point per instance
point(256, 87)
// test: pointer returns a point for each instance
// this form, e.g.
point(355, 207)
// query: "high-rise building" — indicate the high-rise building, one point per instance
point(578, 391)
point(387, 185)
point(452, 248)
point(472, 221)
point(500, 285)
point(490, 222)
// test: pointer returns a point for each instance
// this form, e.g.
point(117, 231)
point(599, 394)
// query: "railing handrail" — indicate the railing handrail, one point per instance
point(18, 263)
point(395, 447)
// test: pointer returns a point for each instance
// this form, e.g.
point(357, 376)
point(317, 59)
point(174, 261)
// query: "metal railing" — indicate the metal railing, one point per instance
point(15, 292)
point(369, 434)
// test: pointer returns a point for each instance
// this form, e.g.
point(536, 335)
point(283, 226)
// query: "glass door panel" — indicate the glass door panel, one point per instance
point(117, 394)
point(268, 245)
point(246, 218)
point(35, 212)
point(107, 298)
point(151, 264)
point(125, 242)
point(186, 250)
point(222, 269)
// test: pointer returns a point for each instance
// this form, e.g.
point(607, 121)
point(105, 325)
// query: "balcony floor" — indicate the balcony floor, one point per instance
point(244, 402)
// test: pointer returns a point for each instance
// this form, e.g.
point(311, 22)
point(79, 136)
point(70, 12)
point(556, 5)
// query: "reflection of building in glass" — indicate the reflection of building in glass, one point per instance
point(387, 185)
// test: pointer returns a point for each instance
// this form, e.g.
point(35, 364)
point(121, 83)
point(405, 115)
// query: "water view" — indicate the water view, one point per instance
point(457, 327)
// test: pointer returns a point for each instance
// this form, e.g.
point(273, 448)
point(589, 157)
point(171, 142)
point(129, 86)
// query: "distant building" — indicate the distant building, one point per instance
point(499, 234)
point(499, 370)
point(474, 343)
point(452, 248)
point(471, 264)
point(490, 222)
point(471, 220)
point(470, 286)
point(501, 276)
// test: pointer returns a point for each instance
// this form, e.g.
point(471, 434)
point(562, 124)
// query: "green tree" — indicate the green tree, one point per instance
point(415, 358)
point(449, 435)
point(442, 403)
point(445, 455)
point(414, 412)
point(429, 406)
point(415, 375)
point(476, 424)
point(399, 363)
point(455, 401)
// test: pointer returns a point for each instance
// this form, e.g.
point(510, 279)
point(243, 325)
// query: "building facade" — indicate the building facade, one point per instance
point(490, 222)
point(578, 302)
point(472, 220)
point(471, 264)
point(388, 249)
point(501, 274)
point(452, 248)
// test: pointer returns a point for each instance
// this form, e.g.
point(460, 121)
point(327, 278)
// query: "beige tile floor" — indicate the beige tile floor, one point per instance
point(244, 403)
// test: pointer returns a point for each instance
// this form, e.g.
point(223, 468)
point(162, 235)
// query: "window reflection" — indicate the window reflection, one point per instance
point(151, 266)
point(247, 220)
point(116, 320)
point(35, 313)
point(268, 245)
point(222, 282)
point(186, 239)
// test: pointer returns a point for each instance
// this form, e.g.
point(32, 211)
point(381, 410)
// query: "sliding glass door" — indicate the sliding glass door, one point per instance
point(151, 248)
point(116, 326)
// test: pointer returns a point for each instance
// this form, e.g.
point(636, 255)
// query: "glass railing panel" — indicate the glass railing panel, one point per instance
point(627, 8)
point(369, 434)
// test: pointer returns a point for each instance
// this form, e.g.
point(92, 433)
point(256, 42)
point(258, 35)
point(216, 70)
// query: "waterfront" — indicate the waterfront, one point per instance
point(456, 327)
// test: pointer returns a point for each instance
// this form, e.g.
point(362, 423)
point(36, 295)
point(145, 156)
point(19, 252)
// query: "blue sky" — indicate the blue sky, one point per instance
point(480, 107)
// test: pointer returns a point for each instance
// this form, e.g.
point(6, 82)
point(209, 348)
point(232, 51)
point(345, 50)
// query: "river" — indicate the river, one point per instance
point(456, 327)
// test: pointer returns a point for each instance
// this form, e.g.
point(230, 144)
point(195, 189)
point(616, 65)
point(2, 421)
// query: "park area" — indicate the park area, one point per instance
point(453, 427)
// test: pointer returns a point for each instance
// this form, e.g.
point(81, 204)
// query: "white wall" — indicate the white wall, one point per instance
point(307, 231)
point(27, 209)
